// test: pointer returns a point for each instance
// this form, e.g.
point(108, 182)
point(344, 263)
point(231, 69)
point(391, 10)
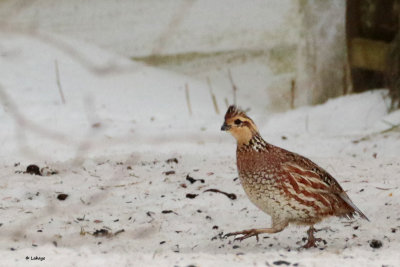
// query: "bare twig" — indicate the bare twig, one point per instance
point(188, 99)
point(229, 195)
point(214, 99)
point(58, 82)
point(234, 88)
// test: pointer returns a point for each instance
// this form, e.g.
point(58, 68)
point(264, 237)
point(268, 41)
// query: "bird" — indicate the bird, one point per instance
point(289, 187)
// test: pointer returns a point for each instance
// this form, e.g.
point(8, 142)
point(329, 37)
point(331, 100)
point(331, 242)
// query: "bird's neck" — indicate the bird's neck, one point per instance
point(255, 143)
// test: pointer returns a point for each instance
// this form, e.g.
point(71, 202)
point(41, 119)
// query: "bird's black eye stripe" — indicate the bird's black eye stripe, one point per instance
point(237, 121)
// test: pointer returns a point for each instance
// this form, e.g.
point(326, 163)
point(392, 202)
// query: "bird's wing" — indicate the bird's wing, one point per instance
point(305, 170)
point(306, 173)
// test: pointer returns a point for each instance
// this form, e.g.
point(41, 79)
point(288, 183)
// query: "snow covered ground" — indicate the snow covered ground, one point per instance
point(125, 150)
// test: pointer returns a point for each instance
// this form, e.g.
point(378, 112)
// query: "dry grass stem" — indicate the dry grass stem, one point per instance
point(214, 99)
point(188, 99)
point(59, 82)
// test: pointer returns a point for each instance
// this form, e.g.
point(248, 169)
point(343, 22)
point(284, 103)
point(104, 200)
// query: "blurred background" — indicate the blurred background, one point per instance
point(172, 67)
point(280, 54)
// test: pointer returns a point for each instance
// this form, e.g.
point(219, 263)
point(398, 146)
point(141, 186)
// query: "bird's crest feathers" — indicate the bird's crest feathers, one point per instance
point(234, 111)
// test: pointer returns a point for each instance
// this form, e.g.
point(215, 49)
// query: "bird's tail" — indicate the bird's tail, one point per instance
point(355, 210)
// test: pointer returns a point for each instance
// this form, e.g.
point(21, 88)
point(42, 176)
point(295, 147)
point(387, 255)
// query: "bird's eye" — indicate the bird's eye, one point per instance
point(237, 121)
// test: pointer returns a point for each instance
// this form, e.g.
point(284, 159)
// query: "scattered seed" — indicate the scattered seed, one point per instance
point(33, 169)
point(62, 197)
point(101, 232)
point(119, 231)
point(281, 262)
point(190, 179)
point(169, 172)
point(168, 211)
point(172, 160)
point(215, 227)
point(236, 247)
point(191, 195)
point(374, 243)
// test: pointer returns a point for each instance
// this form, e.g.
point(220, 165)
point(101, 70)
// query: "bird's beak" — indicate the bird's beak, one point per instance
point(225, 127)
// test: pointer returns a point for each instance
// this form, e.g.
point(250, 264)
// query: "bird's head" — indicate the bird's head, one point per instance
point(239, 125)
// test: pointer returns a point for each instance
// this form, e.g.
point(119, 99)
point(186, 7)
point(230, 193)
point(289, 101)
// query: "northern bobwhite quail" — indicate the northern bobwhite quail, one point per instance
point(288, 187)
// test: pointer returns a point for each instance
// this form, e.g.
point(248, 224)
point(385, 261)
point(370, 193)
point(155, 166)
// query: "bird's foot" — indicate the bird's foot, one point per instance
point(311, 238)
point(245, 234)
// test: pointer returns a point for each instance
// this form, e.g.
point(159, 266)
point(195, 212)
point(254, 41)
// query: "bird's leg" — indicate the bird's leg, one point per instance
point(311, 238)
point(255, 232)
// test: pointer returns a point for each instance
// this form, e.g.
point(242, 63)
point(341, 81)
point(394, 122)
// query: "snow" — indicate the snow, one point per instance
point(109, 144)
point(141, 28)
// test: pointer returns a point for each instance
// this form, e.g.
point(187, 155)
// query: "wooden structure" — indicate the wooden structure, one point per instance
point(371, 29)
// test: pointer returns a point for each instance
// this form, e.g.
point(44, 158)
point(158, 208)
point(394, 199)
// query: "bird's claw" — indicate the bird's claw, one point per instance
point(245, 234)
point(312, 243)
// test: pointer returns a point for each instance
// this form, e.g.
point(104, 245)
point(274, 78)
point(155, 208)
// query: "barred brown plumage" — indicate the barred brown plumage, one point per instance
point(285, 185)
